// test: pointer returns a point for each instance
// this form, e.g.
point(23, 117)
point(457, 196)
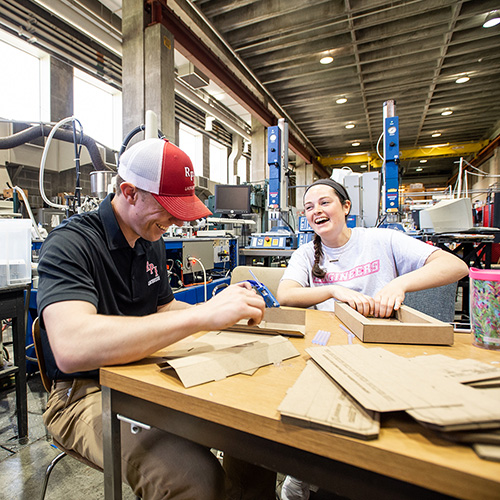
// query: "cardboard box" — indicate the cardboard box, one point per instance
point(9, 193)
point(289, 322)
point(408, 326)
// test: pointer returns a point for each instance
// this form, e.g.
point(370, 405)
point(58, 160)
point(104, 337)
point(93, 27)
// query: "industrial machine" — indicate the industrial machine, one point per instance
point(390, 167)
point(196, 265)
point(280, 234)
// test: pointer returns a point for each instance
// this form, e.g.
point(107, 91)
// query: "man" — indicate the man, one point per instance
point(104, 299)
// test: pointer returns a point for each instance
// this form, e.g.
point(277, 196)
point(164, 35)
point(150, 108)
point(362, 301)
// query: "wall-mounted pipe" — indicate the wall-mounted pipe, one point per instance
point(42, 130)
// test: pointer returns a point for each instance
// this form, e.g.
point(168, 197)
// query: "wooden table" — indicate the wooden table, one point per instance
point(239, 415)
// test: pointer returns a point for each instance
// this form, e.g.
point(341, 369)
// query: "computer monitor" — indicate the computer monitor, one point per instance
point(451, 215)
point(232, 199)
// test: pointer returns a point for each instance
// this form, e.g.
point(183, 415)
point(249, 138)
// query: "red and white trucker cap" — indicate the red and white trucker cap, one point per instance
point(165, 171)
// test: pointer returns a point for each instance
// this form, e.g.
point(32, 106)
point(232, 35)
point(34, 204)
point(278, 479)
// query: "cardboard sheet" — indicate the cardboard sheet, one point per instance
point(382, 381)
point(276, 321)
point(487, 451)
point(479, 409)
point(316, 401)
point(218, 364)
point(461, 370)
point(408, 326)
point(211, 341)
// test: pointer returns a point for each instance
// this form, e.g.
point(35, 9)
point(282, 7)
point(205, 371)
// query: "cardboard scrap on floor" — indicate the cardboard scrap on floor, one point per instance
point(276, 321)
point(218, 364)
point(316, 401)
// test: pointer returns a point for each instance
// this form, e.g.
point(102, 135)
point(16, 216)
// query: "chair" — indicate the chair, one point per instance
point(270, 276)
point(437, 302)
point(47, 384)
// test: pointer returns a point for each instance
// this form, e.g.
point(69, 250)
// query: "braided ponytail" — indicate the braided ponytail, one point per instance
point(317, 271)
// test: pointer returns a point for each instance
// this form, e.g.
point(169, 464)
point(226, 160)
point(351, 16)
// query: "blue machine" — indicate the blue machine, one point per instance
point(306, 234)
point(274, 162)
point(391, 155)
point(278, 235)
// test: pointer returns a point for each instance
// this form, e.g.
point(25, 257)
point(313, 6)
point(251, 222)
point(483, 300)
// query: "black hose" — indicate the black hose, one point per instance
point(34, 132)
point(131, 134)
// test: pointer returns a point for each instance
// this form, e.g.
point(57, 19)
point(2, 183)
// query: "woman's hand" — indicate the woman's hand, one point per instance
point(364, 304)
point(388, 299)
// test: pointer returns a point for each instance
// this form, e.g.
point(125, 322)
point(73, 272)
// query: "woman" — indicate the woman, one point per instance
point(371, 269)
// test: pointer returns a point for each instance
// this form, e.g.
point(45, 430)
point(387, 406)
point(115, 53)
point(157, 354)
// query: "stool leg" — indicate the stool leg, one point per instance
point(48, 472)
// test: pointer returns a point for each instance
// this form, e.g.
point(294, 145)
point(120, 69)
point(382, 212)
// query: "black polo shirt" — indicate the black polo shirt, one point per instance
point(88, 258)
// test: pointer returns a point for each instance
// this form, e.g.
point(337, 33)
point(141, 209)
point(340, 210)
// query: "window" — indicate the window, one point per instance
point(218, 162)
point(20, 85)
point(191, 142)
point(98, 107)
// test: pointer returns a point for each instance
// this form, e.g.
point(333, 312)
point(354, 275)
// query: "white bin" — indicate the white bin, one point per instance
point(15, 252)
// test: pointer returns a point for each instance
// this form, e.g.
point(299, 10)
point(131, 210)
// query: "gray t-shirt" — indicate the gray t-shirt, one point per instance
point(366, 263)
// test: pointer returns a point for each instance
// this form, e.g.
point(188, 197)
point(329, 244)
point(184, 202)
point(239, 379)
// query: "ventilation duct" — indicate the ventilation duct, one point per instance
point(193, 76)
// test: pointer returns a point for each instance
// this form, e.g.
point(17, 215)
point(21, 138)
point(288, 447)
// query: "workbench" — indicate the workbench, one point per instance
point(239, 415)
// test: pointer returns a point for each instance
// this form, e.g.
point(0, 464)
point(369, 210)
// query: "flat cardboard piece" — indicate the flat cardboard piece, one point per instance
point(218, 364)
point(383, 381)
point(487, 451)
point(408, 326)
point(462, 370)
point(317, 402)
point(276, 321)
point(480, 409)
point(209, 342)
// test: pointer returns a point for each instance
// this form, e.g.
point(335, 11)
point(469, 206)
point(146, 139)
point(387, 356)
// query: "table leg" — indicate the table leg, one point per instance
point(19, 351)
point(111, 447)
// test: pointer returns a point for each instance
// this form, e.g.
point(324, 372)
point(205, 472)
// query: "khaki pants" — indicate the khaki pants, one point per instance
point(156, 464)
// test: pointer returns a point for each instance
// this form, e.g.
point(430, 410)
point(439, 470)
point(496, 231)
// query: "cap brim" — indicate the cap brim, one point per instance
point(183, 207)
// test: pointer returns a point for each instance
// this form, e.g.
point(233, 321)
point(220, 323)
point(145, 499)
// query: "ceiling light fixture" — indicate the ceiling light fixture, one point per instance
point(436, 134)
point(363, 166)
point(418, 169)
point(350, 125)
point(355, 144)
point(341, 100)
point(326, 60)
point(462, 79)
point(423, 161)
point(492, 19)
point(447, 112)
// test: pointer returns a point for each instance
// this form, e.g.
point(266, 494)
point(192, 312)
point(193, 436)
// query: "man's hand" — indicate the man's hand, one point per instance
point(232, 304)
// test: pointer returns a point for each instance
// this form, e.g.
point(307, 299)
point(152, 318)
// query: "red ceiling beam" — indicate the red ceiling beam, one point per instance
point(190, 44)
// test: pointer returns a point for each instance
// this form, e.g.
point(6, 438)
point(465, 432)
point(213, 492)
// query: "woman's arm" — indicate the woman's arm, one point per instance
point(291, 293)
point(440, 268)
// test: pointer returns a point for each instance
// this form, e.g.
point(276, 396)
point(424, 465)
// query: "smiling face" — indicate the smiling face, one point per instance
point(327, 215)
point(140, 215)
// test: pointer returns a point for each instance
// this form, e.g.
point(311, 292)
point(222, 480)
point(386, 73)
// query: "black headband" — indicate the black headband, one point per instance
point(341, 190)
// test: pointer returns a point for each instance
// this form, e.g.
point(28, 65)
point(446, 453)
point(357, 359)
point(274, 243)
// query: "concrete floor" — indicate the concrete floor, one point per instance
point(22, 466)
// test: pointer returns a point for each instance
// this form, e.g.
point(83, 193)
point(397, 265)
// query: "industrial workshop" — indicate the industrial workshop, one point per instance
point(250, 250)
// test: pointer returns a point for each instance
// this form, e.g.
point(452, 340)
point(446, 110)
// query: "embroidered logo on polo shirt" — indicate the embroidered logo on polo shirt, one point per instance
point(149, 269)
